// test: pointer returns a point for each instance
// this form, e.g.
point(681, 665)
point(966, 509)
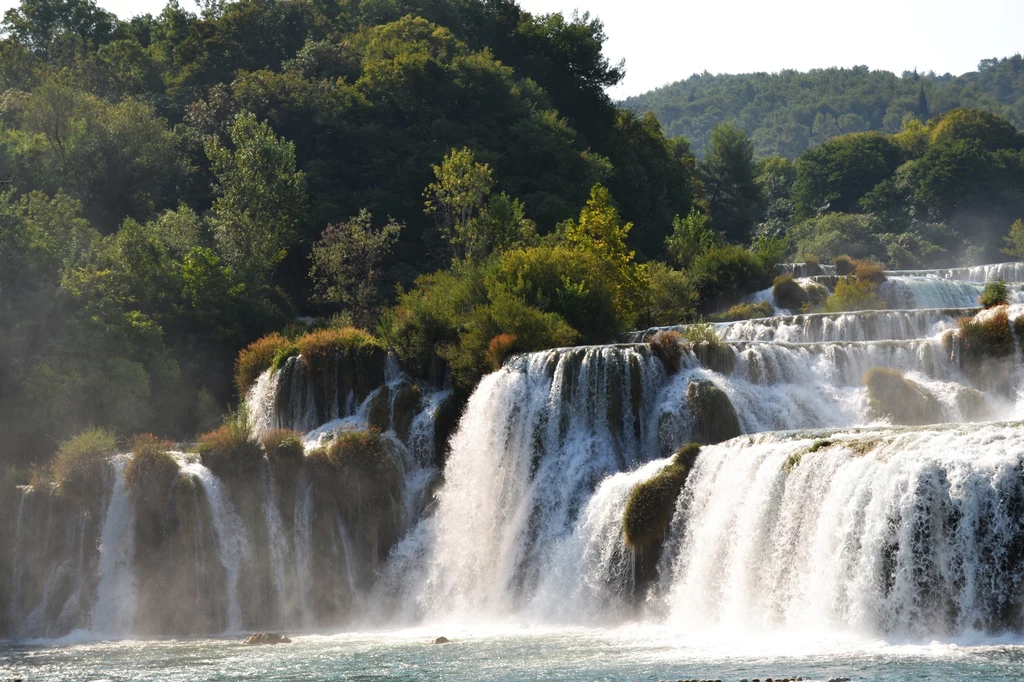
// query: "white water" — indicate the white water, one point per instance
point(114, 611)
point(898, 533)
point(232, 539)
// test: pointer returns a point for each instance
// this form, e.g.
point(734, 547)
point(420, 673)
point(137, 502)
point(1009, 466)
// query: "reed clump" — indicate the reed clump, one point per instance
point(232, 448)
point(77, 468)
point(255, 359)
point(283, 445)
point(152, 467)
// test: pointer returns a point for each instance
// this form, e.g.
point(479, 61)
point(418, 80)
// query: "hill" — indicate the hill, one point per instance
point(788, 112)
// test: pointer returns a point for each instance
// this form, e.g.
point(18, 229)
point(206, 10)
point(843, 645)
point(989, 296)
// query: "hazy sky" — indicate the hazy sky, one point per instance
point(665, 40)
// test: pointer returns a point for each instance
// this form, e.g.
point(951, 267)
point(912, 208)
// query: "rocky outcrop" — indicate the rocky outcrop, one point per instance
point(260, 638)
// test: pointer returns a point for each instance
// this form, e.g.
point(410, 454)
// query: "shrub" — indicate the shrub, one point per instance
point(672, 298)
point(867, 271)
point(701, 332)
point(360, 458)
point(986, 335)
point(666, 345)
point(232, 448)
point(835, 234)
point(283, 445)
point(255, 359)
point(994, 294)
point(651, 504)
point(853, 294)
point(892, 396)
point(844, 265)
point(744, 311)
point(151, 468)
point(499, 348)
point(788, 293)
point(724, 275)
point(319, 347)
point(77, 468)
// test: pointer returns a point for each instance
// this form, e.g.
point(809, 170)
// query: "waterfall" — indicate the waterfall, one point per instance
point(232, 539)
point(917, 533)
point(114, 611)
point(809, 506)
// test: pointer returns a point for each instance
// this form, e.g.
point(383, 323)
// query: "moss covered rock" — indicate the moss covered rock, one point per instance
point(902, 401)
point(711, 409)
point(651, 503)
point(788, 293)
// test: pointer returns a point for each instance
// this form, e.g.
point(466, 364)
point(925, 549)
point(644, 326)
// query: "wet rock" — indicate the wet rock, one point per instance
point(267, 638)
point(442, 640)
point(713, 412)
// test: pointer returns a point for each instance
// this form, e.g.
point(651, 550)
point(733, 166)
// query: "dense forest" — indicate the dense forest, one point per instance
point(449, 177)
point(788, 112)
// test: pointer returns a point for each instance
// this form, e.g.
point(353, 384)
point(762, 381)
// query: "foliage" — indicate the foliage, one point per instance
point(788, 293)
point(499, 348)
point(283, 445)
point(994, 294)
point(261, 197)
point(255, 359)
point(987, 335)
point(671, 297)
point(837, 234)
point(744, 311)
point(844, 265)
point(1015, 240)
point(786, 113)
point(232, 449)
point(724, 275)
point(868, 271)
point(151, 468)
point(733, 195)
point(691, 236)
point(360, 458)
point(77, 467)
point(346, 265)
point(853, 294)
point(456, 197)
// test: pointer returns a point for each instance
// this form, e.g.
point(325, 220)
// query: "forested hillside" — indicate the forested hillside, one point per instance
point(165, 179)
point(190, 199)
point(786, 113)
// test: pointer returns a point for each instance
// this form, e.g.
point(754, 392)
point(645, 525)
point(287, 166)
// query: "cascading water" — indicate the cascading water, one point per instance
point(114, 611)
point(855, 525)
point(232, 539)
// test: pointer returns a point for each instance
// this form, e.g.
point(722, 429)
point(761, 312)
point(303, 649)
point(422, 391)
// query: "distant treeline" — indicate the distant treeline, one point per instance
point(788, 112)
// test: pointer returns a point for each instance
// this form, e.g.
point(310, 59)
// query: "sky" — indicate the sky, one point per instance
point(664, 41)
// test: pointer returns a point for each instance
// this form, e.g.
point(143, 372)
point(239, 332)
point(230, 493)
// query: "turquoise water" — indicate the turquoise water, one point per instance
point(642, 653)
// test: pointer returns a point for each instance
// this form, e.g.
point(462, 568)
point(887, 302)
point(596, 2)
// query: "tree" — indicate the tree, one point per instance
point(37, 24)
point(691, 236)
point(456, 197)
point(836, 175)
point(728, 174)
point(600, 232)
point(346, 265)
point(1015, 240)
point(260, 200)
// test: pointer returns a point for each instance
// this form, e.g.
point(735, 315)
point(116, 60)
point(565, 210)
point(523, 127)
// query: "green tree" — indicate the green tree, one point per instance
point(456, 197)
point(1015, 240)
point(346, 265)
point(836, 175)
point(261, 197)
point(728, 174)
point(691, 236)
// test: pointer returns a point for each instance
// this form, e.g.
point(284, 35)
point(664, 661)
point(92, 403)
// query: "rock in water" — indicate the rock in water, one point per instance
point(442, 640)
point(267, 638)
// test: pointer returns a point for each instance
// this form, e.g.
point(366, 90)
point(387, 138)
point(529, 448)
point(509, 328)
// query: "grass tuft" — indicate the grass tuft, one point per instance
point(152, 468)
point(232, 448)
point(77, 468)
point(283, 445)
point(255, 359)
